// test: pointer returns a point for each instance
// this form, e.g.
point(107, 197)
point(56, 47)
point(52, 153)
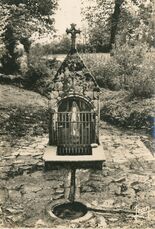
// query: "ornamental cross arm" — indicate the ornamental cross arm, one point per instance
point(73, 31)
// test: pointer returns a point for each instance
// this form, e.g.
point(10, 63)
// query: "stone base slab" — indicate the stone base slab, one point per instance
point(54, 161)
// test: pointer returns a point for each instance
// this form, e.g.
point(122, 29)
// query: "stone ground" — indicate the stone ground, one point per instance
point(126, 183)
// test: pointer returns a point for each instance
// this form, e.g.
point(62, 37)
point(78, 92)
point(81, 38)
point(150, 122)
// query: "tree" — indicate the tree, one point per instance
point(63, 46)
point(97, 14)
point(119, 21)
point(22, 18)
point(115, 20)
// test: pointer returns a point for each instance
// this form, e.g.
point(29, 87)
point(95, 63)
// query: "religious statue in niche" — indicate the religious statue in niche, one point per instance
point(75, 118)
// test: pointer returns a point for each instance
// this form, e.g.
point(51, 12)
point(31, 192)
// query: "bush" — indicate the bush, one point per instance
point(128, 68)
point(106, 70)
point(100, 66)
point(40, 70)
point(142, 83)
point(118, 108)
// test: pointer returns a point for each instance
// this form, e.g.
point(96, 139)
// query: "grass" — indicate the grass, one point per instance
point(22, 113)
point(85, 56)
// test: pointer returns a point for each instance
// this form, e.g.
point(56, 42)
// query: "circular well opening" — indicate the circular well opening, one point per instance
point(70, 211)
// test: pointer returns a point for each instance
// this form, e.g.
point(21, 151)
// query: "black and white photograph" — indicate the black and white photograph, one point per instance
point(77, 114)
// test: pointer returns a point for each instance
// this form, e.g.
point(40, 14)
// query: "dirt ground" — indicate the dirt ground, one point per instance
point(121, 195)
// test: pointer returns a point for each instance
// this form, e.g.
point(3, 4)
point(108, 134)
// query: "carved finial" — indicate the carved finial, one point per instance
point(73, 31)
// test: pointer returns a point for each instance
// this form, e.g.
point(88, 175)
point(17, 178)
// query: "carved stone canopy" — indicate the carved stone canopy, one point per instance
point(73, 77)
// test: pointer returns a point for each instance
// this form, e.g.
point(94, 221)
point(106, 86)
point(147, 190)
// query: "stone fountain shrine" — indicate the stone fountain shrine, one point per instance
point(74, 115)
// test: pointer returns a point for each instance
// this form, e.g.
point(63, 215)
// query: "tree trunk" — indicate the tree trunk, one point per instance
point(114, 21)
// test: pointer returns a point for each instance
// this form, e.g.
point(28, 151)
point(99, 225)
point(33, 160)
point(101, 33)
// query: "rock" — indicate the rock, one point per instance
point(102, 222)
point(141, 196)
point(27, 167)
point(17, 218)
point(105, 173)
point(14, 210)
point(129, 192)
point(30, 189)
point(134, 179)
point(39, 156)
point(41, 223)
point(95, 203)
point(124, 187)
point(108, 203)
point(119, 180)
point(87, 189)
point(40, 163)
point(56, 184)
point(59, 190)
point(37, 174)
point(4, 173)
point(92, 222)
point(25, 153)
point(18, 187)
point(28, 196)
point(113, 219)
point(19, 162)
point(14, 196)
point(16, 153)
point(116, 166)
point(3, 196)
point(10, 157)
point(96, 177)
point(58, 196)
point(138, 188)
point(118, 191)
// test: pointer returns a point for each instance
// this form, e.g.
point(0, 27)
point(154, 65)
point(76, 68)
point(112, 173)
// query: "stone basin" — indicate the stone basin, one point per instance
point(70, 210)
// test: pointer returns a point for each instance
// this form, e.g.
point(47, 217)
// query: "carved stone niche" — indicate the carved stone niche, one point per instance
point(74, 116)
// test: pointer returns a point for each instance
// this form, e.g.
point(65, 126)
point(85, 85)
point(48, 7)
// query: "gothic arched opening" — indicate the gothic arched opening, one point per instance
point(75, 126)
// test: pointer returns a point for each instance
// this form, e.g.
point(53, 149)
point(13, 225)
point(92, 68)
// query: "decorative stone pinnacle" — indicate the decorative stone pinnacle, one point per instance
point(73, 31)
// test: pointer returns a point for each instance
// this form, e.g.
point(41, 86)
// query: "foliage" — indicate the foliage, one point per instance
point(136, 22)
point(117, 108)
point(20, 19)
point(2, 50)
point(136, 69)
point(128, 68)
point(61, 46)
point(142, 84)
point(36, 61)
point(105, 69)
point(129, 59)
point(118, 20)
point(40, 70)
point(97, 14)
point(37, 8)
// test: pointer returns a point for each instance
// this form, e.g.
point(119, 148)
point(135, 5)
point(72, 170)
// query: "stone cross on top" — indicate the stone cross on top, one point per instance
point(73, 31)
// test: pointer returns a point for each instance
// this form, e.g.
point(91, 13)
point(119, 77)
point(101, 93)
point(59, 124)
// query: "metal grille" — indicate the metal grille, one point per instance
point(74, 136)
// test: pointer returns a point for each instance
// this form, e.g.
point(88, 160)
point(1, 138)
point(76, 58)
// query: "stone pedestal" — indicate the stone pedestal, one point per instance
point(54, 161)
